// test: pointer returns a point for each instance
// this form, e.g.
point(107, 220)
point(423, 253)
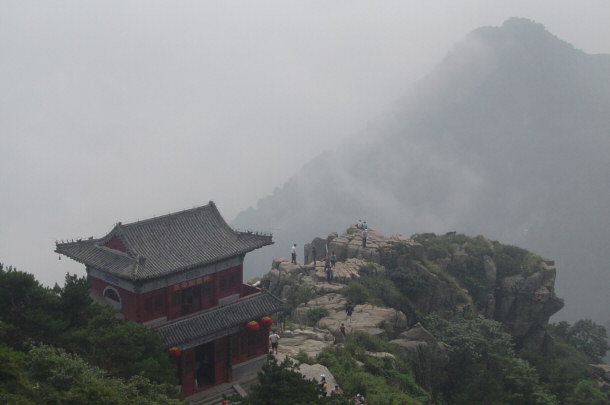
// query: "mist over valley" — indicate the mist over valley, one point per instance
point(507, 137)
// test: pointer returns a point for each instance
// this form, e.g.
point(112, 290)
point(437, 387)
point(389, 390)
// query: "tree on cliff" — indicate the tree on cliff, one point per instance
point(585, 335)
point(483, 365)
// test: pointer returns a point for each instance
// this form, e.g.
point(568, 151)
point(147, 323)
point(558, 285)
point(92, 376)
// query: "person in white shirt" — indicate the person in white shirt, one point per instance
point(274, 338)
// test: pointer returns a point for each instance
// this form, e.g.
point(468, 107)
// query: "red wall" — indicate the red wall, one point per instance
point(229, 282)
point(247, 345)
point(116, 244)
point(129, 300)
point(169, 301)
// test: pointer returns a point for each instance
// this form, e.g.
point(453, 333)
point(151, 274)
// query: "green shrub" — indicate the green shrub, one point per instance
point(355, 293)
point(303, 358)
point(381, 381)
point(299, 295)
point(315, 314)
point(367, 270)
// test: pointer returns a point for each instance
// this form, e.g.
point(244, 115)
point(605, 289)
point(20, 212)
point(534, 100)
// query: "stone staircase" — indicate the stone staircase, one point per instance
point(215, 395)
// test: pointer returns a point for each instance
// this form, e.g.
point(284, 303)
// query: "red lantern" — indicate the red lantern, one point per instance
point(252, 326)
point(173, 352)
point(266, 321)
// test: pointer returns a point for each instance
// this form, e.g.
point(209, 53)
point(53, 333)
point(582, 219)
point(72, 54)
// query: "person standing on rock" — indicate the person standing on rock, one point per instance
point(364, 225)
point(364, 235)
point(327, 269)
point(359, 224)
point(342, 329)
point(274, 338)
point(333, 260)
point(349, 309)
point(313, 252)
point(323, 386)
point(293, 254)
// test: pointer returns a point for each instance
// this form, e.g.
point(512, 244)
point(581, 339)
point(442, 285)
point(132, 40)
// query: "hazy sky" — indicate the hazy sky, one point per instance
point(122, 110)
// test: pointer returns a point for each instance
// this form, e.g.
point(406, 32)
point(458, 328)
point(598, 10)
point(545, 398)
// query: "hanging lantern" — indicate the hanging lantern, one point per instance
point(266, 321)
point(252, 326)
point(173, 352)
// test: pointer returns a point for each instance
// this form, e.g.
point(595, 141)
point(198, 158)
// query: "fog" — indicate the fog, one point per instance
point(119, 111)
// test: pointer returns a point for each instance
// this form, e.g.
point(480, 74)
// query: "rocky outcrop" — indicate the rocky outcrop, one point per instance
point(349, 245)
point(524, 304)
point(428, 357)
point(601, 372)
point(373, 320)
point(522, 299)
point(285, 278)
point(433, 294)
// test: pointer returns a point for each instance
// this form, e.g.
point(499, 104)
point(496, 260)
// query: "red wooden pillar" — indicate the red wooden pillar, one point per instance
point(220, 361)
point(188, 372)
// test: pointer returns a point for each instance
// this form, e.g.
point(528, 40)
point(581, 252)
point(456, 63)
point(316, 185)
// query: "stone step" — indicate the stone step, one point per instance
point(216, 395)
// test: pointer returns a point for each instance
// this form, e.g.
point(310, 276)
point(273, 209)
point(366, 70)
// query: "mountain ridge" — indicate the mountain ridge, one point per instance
point(506, 138)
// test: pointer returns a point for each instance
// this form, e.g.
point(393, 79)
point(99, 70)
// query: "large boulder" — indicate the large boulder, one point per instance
point(373, 320)
point(428, 357)
point(524, 304)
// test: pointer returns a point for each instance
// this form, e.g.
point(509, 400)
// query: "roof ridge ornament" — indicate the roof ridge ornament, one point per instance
point(136, 267)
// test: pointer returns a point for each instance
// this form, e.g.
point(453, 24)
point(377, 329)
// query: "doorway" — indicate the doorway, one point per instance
point(204, 365)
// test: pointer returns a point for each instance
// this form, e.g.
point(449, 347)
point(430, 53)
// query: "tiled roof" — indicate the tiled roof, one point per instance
point(220, 321)
point(167, 244)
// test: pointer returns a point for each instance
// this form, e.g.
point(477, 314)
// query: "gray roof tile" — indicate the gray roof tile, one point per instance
point(163, 245)
point(219, 321)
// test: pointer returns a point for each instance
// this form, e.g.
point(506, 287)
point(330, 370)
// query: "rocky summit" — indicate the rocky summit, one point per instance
point(441, 274)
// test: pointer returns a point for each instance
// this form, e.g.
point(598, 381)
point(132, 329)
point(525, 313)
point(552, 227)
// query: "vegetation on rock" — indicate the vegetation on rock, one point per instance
point(486, 304)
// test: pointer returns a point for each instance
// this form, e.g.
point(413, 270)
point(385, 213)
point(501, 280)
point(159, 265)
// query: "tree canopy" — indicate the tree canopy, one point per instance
point(84, 345)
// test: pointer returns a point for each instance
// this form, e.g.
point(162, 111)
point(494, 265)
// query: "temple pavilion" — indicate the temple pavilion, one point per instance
point(182, 274)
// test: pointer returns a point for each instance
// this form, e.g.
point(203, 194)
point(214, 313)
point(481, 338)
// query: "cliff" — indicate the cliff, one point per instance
point(446, 274)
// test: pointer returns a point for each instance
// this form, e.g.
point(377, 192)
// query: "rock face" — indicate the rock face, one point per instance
point(601, 372)
point(428, 356)
point(525, 304)
point(349, 245)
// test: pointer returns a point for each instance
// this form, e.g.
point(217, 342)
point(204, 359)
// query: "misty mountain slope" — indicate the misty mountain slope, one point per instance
point(507, 137)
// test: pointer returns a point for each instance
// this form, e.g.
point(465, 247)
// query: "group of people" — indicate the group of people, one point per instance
point(329, 263)
point(365, 233)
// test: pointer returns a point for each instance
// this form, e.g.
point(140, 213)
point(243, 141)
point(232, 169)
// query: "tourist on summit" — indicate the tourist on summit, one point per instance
point(313, 252)
point(327, 269)
point(274, 338)
point(333, 260)
point(359, 224)
point(293, 253)
point(364, 225)
point(364, 235)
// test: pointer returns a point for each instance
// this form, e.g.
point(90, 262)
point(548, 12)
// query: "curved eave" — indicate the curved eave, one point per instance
point(205, 326)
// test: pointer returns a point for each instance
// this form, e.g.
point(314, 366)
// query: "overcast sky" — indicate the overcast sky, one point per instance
point(122, 110)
